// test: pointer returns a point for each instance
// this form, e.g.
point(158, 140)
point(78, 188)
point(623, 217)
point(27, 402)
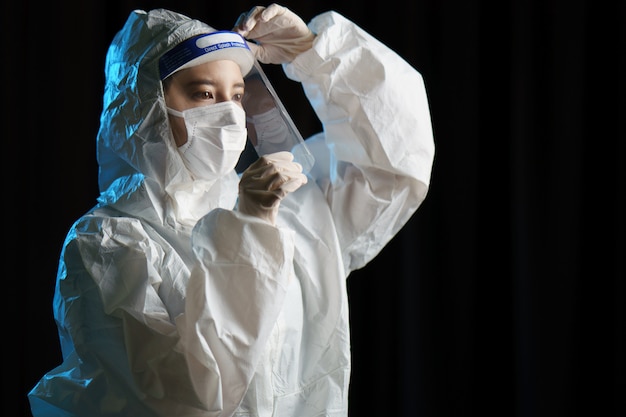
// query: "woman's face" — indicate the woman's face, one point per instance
point(201, 85)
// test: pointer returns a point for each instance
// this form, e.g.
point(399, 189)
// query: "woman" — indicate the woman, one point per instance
point(190, 290)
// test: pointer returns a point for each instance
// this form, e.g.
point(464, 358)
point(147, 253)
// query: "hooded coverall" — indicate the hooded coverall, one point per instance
point(170, 302)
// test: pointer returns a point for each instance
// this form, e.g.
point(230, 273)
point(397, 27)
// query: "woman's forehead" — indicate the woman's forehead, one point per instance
point(213, 72)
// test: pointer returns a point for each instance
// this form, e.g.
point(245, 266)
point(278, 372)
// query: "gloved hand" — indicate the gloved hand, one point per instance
point(279, 33)
point(266, 182)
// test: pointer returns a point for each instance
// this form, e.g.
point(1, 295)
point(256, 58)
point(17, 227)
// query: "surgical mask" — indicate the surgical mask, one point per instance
point(216, 136)
point(272, 134)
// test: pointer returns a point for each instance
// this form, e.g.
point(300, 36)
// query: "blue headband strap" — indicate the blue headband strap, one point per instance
point(198, 46)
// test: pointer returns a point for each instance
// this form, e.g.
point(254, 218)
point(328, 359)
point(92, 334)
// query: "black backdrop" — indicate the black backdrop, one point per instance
point(503, 296)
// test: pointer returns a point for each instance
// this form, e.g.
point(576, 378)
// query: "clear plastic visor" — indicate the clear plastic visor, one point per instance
point(270, 128)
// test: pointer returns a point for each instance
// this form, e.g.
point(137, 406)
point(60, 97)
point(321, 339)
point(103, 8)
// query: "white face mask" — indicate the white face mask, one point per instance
point(216, 136)
point(271, 132)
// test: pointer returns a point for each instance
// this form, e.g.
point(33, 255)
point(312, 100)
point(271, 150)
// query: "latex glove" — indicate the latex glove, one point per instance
point(266, 182)
point(280, 34)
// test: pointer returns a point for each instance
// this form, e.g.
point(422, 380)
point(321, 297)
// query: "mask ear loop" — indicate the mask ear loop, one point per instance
point(297, 144)
point(174, 112)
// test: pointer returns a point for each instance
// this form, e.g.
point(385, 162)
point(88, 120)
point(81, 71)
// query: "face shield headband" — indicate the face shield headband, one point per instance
point(205, 48)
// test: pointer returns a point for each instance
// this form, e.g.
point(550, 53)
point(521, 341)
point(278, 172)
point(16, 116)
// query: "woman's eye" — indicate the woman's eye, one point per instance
point(238, 97)
point(204, 95)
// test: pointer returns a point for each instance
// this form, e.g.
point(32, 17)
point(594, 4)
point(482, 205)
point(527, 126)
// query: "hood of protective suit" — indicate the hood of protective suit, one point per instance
point(135, 147)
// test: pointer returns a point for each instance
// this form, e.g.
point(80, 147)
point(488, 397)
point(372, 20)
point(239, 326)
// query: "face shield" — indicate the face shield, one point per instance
point(270, 128)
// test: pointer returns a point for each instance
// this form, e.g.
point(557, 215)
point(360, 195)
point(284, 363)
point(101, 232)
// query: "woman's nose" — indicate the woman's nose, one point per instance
point(221, 97)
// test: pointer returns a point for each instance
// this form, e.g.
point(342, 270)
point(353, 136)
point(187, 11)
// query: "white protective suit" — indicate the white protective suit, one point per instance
point(169, 302)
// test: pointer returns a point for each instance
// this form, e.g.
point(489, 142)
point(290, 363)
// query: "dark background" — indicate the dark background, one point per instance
point(503, 296)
